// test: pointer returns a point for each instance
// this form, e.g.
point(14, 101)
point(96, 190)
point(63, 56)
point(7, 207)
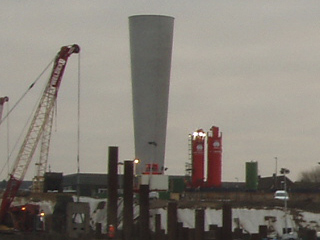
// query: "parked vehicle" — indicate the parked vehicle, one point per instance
point(281, 195)
point(153, 195)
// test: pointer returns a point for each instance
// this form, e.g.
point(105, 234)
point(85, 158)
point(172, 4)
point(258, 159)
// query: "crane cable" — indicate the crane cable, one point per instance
point(78, 130)
point(78, 134)
point(25, 93)
point(9, 154)
point(18, 139)
point(8, 140)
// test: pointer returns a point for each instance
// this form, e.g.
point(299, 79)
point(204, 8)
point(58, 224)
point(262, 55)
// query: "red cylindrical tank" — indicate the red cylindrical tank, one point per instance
point(198, 139)
point(214, 157)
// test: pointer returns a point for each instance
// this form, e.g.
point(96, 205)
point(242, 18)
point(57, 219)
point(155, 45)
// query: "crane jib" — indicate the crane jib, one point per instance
point(56, 73)
point(40, 125)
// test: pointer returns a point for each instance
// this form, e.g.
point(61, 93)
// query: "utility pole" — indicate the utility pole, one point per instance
point(285, 171)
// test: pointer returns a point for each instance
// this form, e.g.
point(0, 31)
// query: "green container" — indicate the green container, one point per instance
point(252, 176)
point(177, 185)
point(164, 195)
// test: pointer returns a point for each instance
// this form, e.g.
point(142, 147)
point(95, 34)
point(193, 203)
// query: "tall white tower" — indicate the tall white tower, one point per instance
point(151, 38)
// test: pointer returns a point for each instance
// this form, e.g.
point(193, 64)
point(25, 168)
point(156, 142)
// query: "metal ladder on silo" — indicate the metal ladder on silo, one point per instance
point(188, 165)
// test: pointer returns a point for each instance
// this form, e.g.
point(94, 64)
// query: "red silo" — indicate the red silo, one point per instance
point(198, 140)
point(214, 157)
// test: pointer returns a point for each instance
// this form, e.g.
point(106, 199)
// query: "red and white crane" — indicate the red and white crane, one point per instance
point(40, 128)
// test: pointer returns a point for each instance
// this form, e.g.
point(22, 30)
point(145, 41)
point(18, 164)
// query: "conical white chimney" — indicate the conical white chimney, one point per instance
point(151, 38)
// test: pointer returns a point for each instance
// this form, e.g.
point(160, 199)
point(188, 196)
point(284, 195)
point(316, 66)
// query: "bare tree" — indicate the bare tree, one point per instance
point(310, 176)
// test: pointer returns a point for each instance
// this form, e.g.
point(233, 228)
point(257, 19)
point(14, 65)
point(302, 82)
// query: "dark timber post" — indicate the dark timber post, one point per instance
point(227, 222)
point(263, 231)
point(180, 231)
point(128, 200)
point(191, 234)
point(199, 224)
point(158, 227)
point(238, 234)
point(144, 212)
point(98, 230)
point(172, 220)
point(112, 188)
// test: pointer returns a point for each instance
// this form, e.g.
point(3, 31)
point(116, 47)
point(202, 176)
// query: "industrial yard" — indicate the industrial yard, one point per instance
point(200, 214)
point(227, 158)
point(301, 216)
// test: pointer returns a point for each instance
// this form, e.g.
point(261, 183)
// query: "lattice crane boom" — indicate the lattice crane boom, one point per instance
point(42, 116)
point(38, 180)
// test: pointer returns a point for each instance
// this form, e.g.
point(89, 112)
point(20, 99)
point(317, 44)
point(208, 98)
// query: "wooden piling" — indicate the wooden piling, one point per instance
point(144, 212)
point(199, 224)
point(172, 220)
point(227, 222)
point(157, 224)
point(263, 231)
point(238, 233)
point(112, 188)
point(98, 232)
point(128, 200)
point(185, 232)
point(180, 231)
point(214, 232)
point(191, 234)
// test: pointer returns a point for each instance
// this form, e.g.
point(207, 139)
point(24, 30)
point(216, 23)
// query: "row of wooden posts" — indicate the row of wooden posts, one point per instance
point(141, 229)
point(175, 231)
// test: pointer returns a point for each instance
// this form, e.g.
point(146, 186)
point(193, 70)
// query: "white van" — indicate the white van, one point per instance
point(281, 195)
point(153, 195)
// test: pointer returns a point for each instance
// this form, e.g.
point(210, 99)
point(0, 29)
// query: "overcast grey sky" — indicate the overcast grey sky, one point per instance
point(250, 68)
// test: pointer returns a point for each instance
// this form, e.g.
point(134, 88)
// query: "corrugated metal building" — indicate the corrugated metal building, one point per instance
point(90, 184)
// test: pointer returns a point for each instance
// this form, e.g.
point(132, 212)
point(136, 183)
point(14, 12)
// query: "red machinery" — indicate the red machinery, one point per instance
point(198, 139)
point(28, 217)
point(152, 169)
point(214, 157)
point(40, 128)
